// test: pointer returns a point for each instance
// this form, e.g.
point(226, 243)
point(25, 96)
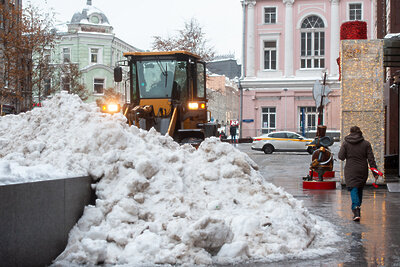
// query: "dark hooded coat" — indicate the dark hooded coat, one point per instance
point(358, 154)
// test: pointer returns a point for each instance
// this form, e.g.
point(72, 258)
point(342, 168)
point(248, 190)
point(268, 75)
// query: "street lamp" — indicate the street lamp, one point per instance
point(243, 74)
point(240, 106)
point(285, 90)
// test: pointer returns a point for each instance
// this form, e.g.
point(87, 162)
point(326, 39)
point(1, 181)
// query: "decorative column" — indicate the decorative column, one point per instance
point(335, 37)
point(362, 98)
point(250, 69)
point(288, 38)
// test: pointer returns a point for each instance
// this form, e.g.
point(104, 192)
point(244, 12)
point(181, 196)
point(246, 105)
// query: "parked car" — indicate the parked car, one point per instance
point(282, 141)
point(7, 109)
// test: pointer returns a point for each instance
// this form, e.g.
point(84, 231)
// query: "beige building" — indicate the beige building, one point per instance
point(223, 101)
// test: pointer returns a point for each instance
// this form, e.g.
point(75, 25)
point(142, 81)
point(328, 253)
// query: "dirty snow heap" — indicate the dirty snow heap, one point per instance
point(158, 202)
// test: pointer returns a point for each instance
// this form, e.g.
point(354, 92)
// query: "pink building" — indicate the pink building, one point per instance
point(289, 45)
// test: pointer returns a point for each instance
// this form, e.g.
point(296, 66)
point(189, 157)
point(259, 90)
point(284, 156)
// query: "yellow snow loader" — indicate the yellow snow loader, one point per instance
point(167, 91)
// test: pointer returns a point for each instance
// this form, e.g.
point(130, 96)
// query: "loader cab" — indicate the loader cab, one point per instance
point(178, 76)
point(161, 79)
point(168, 92)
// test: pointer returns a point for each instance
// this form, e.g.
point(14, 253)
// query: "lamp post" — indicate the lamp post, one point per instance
point(240, 105)
point(244, 4)
point(285, 90)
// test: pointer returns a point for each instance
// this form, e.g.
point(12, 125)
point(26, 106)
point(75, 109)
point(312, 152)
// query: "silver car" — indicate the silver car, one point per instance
point(282, 141)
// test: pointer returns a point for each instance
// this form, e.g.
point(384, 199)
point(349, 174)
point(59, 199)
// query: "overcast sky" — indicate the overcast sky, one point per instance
point(137, 21)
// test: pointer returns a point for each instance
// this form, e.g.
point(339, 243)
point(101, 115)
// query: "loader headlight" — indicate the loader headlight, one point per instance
point(113, 108)
point(196, 105)
point(193, 105)
point(110, 108)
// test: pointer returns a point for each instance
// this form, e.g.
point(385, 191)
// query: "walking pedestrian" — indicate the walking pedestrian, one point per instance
point(232, 131)
point(358, 154)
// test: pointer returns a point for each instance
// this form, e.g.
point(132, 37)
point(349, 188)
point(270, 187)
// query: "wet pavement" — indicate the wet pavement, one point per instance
point(374, 241)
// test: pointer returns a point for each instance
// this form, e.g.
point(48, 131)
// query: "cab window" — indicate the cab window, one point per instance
point(201, 85)
point(132, 98)
point(156, 78)
point(180, 88)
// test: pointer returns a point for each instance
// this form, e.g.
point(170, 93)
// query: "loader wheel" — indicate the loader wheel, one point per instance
point(268, 149)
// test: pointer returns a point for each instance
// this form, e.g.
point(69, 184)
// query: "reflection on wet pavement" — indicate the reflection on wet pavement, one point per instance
point(374, 241)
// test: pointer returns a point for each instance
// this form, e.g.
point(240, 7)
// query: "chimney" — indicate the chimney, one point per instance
point(89, 2)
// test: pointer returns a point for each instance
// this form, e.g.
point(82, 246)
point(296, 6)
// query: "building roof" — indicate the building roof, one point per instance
point(90, 15)
point(161, 53)
point(227, 67)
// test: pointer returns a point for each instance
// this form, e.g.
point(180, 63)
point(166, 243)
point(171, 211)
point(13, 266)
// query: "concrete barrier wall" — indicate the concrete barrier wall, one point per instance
point(35, 219)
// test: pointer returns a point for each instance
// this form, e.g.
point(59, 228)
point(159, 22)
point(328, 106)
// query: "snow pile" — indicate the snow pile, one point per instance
point(158, 202)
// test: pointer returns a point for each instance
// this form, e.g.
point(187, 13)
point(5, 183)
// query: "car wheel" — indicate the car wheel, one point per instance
point(268, 149)
point(310, 150)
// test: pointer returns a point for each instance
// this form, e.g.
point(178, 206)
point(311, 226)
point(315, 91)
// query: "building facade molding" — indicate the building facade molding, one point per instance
point(289, 46)
point(250, 66)
point(288, 2)
point(97, 66)
point(335, 37)
point(250, 3)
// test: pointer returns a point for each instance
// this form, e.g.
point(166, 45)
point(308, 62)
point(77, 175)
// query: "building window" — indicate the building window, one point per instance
point(268, 119)
point(66, 84)
point(47, 55)
point(47, 86)
point(309, 116)
point(270, 55)
point(355, 11)
point(94, 19)
point(312, 43)
point(66, 55)
point(98, 86)
point(270, 15)
point(94, 55)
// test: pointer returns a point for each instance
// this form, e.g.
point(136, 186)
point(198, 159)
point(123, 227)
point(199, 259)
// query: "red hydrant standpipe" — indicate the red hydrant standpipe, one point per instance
point(377, 172)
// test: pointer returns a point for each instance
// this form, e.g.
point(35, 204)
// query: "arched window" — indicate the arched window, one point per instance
point(312, 43)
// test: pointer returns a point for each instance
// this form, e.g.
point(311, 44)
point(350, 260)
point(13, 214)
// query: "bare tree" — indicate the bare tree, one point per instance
point(10, 33)
point(68, 77)
point(191, 38)
point(24, 36)
point(110, 96)
point(43, 74)
point(39, 38)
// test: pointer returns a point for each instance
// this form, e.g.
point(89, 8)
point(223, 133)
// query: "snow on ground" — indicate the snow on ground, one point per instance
point(158, 202)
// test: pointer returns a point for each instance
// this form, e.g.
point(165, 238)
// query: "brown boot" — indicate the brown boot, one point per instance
point(356, 213)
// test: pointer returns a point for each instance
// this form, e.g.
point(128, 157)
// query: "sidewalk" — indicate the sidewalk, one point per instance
point(374, 241)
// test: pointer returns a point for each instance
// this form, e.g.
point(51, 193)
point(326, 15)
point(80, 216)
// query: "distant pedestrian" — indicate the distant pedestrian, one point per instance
point(358, 154)
point(222, 136)
point(232, 131)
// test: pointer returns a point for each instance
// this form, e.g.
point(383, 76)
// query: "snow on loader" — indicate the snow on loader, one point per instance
point(167, 91)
